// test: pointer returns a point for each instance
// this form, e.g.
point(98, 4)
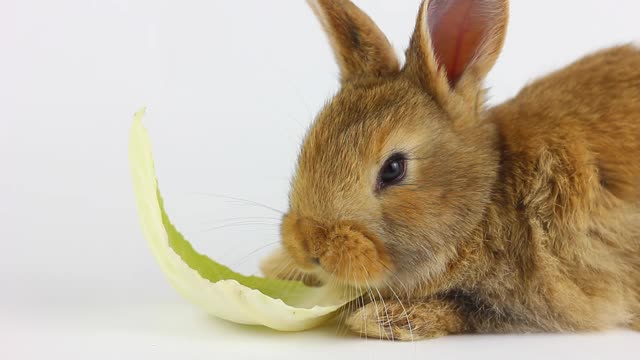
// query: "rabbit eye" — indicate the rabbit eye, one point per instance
point(393, 171)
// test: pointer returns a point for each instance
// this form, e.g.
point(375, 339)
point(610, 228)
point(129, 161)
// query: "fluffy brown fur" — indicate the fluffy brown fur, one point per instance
point(523, 217)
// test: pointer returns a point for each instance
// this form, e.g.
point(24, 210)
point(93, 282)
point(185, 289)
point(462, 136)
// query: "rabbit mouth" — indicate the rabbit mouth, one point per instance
point(343, 252)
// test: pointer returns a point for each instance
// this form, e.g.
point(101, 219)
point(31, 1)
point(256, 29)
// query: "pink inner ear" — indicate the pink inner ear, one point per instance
point(457, 29)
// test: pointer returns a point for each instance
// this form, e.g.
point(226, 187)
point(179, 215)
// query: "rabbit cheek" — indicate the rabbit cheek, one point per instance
point(354, 257)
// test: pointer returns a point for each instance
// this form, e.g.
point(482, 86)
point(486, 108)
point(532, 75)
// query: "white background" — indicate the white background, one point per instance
point(230, 88)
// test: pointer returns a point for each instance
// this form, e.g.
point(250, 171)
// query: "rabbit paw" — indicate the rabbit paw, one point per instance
point(279, 265)
point(393, 320)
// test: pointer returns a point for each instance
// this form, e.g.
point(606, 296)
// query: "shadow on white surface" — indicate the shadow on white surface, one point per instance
point(177, 330)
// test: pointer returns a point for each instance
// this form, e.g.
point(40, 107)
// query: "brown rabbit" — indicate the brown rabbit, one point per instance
point(456, 218)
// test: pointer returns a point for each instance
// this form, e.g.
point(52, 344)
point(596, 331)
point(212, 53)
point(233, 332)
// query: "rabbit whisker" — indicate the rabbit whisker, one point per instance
point(237, 224)
point(248, 202)
point(242, 259)
point(375, 304)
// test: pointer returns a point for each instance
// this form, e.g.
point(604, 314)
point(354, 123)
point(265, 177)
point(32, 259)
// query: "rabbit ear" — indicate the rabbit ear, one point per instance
point(360, 48)
point(456, 43)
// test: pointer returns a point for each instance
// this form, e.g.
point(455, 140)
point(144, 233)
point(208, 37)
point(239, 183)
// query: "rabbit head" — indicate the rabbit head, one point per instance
point(398, 167)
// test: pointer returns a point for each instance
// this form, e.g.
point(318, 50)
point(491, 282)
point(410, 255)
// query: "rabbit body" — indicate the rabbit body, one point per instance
point(559, 248)
point(524, 217)
point(568, 217)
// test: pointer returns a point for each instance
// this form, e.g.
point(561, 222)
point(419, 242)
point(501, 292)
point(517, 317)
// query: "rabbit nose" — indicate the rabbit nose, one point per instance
point(315, 260)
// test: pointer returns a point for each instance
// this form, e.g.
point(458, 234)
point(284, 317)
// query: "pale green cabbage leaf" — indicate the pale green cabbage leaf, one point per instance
point(281, 305)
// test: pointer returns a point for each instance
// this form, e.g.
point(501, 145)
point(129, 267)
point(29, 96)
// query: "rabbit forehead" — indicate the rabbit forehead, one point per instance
point(360, 121)
point(351, 138)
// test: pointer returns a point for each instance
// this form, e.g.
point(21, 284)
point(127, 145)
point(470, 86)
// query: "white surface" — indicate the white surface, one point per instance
point(230, 88)
point(175, 331)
